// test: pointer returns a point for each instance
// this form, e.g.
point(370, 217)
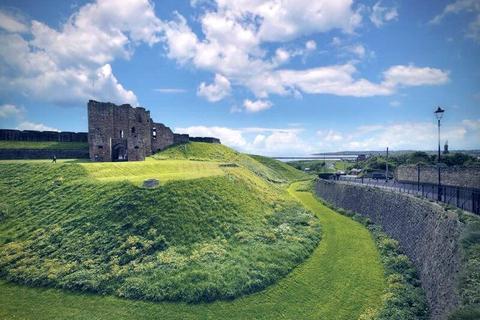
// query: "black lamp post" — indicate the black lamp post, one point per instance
point(439, 114)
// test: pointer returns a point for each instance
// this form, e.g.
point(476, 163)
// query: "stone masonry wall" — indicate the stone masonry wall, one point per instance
point(427, 234)
point(31, 135)
point(204, 139)
point(467, 177)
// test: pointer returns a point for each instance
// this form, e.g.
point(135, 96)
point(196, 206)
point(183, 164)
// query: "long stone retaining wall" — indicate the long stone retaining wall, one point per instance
point(9, 154)
point(457, 176)
point(32, 135)
point(426, 232)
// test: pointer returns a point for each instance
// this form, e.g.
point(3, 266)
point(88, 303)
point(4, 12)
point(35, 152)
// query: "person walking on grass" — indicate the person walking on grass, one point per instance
point(54, 159)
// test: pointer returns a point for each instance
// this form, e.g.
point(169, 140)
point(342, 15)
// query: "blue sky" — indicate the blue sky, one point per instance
point(269, 77)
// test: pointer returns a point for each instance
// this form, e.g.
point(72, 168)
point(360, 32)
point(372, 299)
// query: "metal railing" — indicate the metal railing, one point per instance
point(464, 198)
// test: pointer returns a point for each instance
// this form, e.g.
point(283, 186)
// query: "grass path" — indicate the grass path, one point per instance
point(342, 279)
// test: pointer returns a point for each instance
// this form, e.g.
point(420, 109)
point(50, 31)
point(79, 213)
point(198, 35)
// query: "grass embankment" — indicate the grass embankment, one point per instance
point(166, 170)
point(268, 169)
point(87, 227)
point(342, 279)
point(50, 145)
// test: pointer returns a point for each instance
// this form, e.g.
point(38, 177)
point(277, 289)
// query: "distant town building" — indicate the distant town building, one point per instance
point(361, 157)
point(445, 148)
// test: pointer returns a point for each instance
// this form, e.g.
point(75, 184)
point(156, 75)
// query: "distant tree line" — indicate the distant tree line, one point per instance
point(377, 163)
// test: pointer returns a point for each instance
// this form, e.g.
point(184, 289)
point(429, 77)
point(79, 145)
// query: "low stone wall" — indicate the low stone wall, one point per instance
point(10, 154)
point(31, 135)
point(458, 176)
point(426, 232)
point(204, 139)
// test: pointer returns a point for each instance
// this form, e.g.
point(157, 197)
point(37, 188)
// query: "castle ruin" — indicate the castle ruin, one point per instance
point(125, 133)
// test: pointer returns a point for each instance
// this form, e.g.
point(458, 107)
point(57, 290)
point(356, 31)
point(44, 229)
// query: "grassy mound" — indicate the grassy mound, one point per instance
point(268, 169)
point(87, 227)
point(343, 279)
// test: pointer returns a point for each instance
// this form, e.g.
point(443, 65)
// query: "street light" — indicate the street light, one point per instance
point(439, 114)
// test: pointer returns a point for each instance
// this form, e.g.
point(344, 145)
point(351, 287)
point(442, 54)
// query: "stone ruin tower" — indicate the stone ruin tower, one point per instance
point(125, 133)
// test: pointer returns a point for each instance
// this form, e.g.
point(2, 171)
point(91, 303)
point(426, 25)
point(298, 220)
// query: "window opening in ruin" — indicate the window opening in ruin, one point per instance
point(133, 129)
point(121, 134)
point(136, 147)
point(154, 133)
point(100, 147)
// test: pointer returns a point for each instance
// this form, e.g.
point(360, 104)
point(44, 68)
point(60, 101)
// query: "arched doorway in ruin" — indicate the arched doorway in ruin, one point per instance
point(119, 152)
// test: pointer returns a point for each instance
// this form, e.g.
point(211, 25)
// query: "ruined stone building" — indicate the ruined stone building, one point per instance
point(125, 133)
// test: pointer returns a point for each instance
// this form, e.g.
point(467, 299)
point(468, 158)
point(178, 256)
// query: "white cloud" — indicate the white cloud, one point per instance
point(264, 141)
point(358, 49)
point(234, 32)
point(216, 91)
point(27, 125)
point(337, 80)
point(281, 55)
point(458, 6)
point(11, 111)
point(381, 15)
point(257, 105)
point(279, 143)
point(229, 137)
point(71, 64)
point(310, 45)
point(401, 136)
point(473, 125)
point(414, 76)
point(12, 23)
point(292, 141)
point(289, 19)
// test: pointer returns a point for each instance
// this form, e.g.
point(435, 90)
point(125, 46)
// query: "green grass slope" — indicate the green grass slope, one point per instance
point(266, 168)
point(286, 171)
point(164, 171)
point(210, 232)
point(343, 279)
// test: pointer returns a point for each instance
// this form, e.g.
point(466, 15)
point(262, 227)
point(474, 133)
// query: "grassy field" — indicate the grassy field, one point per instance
point(165, 170)
point(343, 279)
point(268, 169)
point(211, 231)
point(53, 145)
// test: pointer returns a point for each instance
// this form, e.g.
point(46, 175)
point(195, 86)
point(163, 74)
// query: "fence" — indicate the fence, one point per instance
point(464, 198)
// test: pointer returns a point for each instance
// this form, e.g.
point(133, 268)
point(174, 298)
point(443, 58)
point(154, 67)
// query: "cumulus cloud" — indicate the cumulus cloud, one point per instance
point(256, 106)
point(289, 19)
point(295, 141)
point(11, 111)
point(71, 64)
point(27, 125)
point(381, 14)
point(12, 22)
point(234, 32)
point(401, 136)
point(264, 141)
point(459, 6)
point(414, 76)
point(228, 136)
point(216, 91)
